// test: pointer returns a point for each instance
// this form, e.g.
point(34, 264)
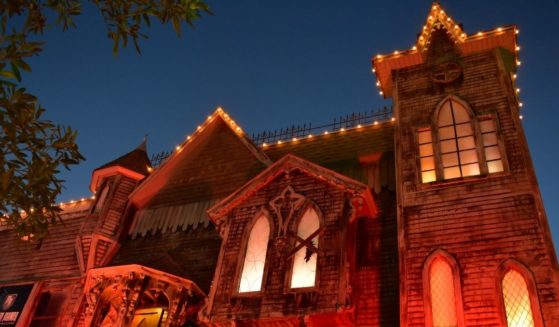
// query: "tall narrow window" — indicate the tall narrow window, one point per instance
point(255, 257)
point(459, 156)
point(517, 300)
point(305, 257)
point(443, 294)
point(491, 145)
point(426, 155)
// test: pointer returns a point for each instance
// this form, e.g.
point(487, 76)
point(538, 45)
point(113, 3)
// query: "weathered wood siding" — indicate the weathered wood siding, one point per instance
point(481, 221)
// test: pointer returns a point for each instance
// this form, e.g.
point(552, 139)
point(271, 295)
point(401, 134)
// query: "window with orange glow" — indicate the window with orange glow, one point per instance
point(491, 145)
point(255, 257)
point(457, 143)
point(305, 259)
point(517, 300)
point(426, 155)
point(443, 294)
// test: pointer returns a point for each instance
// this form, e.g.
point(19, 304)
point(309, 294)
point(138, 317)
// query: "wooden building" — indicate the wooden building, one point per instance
point(430, 217)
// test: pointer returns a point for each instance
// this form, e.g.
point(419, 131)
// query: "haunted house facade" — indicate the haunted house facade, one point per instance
point(432, 217)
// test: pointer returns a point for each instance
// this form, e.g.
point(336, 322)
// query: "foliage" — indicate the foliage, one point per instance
point(32, 149)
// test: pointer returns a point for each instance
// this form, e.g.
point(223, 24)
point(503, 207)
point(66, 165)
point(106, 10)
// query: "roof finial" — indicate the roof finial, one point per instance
point(143, 146)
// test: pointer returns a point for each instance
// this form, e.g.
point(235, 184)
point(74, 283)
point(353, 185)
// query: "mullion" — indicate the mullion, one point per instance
point(456, 138)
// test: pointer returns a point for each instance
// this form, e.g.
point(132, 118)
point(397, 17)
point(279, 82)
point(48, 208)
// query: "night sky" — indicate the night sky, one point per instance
point(271, 65)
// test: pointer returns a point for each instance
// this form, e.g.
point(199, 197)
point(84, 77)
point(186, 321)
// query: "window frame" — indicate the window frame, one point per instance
point(243, 248)
point(437, 140)
point(529, 279)
point(476, 133)
point(427, 303)
point(293, 243)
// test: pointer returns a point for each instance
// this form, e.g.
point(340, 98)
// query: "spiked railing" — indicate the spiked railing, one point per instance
point(300, 131)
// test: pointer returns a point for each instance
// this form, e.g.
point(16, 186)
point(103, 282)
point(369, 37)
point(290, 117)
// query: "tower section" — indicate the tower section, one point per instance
point(474, 243)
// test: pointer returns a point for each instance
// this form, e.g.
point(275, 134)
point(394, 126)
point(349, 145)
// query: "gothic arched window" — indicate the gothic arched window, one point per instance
point(443, 299)
point(457, 144)
point(305, 257)
point(519, 297)
point(252, 271)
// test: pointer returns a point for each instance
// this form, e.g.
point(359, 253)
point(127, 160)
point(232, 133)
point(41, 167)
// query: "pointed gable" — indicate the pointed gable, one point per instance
point(134, 164)
point(362, 197)
point(439, 23)
point(209, 164)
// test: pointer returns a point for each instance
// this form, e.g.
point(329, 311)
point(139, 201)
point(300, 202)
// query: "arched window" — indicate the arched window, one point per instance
point(459, 156)
point(255, 257)
point(306, 250)
point(516, 298)
point(443, 300)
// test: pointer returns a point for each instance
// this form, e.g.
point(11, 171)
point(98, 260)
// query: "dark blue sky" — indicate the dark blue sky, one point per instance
point(271, 64)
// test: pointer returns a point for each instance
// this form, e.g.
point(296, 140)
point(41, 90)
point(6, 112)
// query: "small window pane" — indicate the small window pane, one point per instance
point(453, 172)
point(489, 139)
point(460, 113)
point(492, 153)
point(495, 166)
point(427, 163)
point(425, 150)
point(450, 159)
point(445, 117)
point(446, 133)
point(464, 129)
point(424, 137)
point(428, 176)
point(448, 146)
point(470, 170)
point(467, 157)
point(466, 143)
point(487, 125)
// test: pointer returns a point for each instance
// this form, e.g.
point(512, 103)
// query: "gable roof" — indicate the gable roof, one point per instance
point(383, 65)
point(289, 163)
point(197, 169)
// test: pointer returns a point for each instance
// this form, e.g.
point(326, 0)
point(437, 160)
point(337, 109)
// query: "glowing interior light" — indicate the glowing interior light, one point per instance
point(264, 144)
point(443, 297)
point(479, 33)
point(500, 29)
point(517, 300)
point(255, 257)
point(305, 259)
point(279, 142)
point(376, 122)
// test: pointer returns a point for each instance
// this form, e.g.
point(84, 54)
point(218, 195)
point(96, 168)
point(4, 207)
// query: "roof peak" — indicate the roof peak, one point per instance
point(438, 19)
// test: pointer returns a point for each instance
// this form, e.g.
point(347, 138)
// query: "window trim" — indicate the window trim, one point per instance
point(428, 310)
point(243, 248)
point(529, 279)
point(475, 122)
point(437, 141)
point(292, 244)
point(26, 316)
